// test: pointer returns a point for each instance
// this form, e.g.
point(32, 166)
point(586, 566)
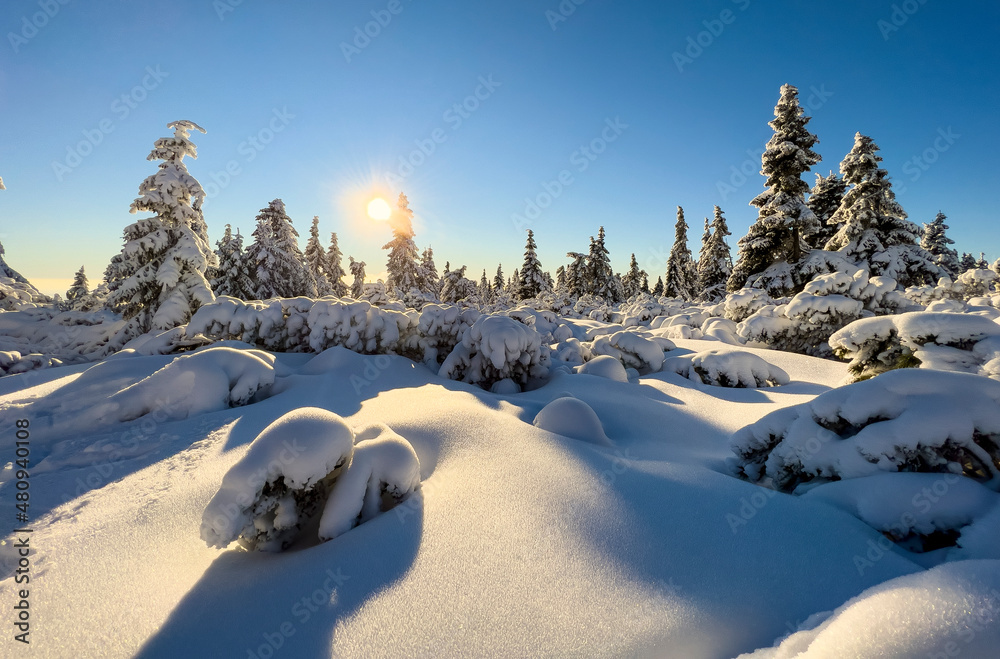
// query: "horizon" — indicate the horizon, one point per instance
point(473, 112)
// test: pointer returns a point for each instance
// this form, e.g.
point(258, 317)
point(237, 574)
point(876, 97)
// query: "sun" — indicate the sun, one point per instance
point(379, 209)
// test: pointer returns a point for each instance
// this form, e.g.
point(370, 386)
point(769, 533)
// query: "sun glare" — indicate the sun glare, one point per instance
point(379, 209)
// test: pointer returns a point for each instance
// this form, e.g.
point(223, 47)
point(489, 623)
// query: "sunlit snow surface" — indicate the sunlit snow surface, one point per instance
point(519, 542)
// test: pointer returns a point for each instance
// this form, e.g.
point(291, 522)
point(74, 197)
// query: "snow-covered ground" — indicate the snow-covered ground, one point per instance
point(627, 535)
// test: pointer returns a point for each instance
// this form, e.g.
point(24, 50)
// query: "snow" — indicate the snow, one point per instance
point(634, 350)
point(497, 348)
point(726, 367)
point(257, 500)
point(384, 464)
point(571, 417)
point(605, 366)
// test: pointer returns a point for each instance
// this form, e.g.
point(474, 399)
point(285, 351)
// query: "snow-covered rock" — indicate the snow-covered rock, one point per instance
point(280, 482)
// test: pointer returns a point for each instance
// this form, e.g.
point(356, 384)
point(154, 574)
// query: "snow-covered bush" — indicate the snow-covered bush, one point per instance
point(571, 417)
point(16, 295)
point(545, 322)
point(726, 367)
point(977, 283)
point(280, 483)
point(783, 279)
point(495, 348)
point(200, 382)
point(904, 420)
point(633, 350)
point(927, 339)
point(357, 326)
point(441, 327)
point(571, 351)
point(721, 329)
point(745, 302)
point(66, 336)
point(383, 471)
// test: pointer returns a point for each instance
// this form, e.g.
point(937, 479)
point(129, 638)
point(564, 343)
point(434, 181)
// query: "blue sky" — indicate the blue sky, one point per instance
point(675, 97)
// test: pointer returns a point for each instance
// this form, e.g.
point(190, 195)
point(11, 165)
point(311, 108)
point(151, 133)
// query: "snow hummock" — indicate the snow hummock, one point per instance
point(571, 417)
point(727, 367)
point(280, 481)
point(605, 366)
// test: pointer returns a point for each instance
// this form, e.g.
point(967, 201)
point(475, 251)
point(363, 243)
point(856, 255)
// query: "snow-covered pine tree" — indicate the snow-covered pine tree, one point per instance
point(316, 260)
point(232, 277)
point(358, 272)
point(968, 262)
point(402, 265)
point(577, 275)
point(715, 263)
point(658, 288)
point(531, 281)
point(680, 268)
point(428, 273)
point(334, 270)
point(513, 284)
point(632, 281)
point(600, 276)
point(457, 287)
point(485, 290)
point(561, 286)
point(936, 242)
point(79, 288)
point(498, 280)
point(159, 276)
point(784, 221)
point(645, 283)
point(824, 200)
point(9, 272)
point(983, 263)
point(274, 258)
point(874, 232)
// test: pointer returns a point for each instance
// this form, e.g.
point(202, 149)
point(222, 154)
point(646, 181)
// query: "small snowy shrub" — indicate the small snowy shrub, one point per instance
point(904, 420)
point(280, 483)
point(384, 470)
point(200, 382)
point(357, 326)
point(726, 367)
point(441, 327)
point(919, 338)
point(633, 350)
point(745, 302)
point(495, 348)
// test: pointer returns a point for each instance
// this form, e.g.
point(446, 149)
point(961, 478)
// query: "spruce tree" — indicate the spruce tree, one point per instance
point(428, 273)
point(275, 259)
point(680, 268)
point(600, 276)
point(577, 275)
point(936, 243)
point(561, 280)
point(358, 272)
point(485, 290)
point(334, 270)
point(967, 263)
point(79, 288)
point(531, 281)
point(316, 260)
point(824, 200)
point(457, 287)
point(632, 281)
point(715, 263)
point(498, 280)
point(402, 265)
point(159, 276)
point(658, 289)
point(784, 221)
point(232, 277)
point(645, 283)
point(983, 263)
point(874, 232)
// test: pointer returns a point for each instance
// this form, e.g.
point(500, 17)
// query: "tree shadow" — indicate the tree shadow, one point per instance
point(250, 604)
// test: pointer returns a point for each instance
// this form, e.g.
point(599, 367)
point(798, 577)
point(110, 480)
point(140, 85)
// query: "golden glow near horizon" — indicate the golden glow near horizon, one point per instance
point(379, 209)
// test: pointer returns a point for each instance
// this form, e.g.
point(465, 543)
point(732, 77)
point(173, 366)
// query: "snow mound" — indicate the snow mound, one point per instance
point(951, 610)
point(200, 382)
point(604, 366)
point(571, 417)
point(903, 420)
point(633, 350)
point(384, 471)
point(727, 367)
point(280, 482)
point(496, 348)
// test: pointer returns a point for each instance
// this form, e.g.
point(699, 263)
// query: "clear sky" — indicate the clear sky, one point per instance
point(300, 104)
